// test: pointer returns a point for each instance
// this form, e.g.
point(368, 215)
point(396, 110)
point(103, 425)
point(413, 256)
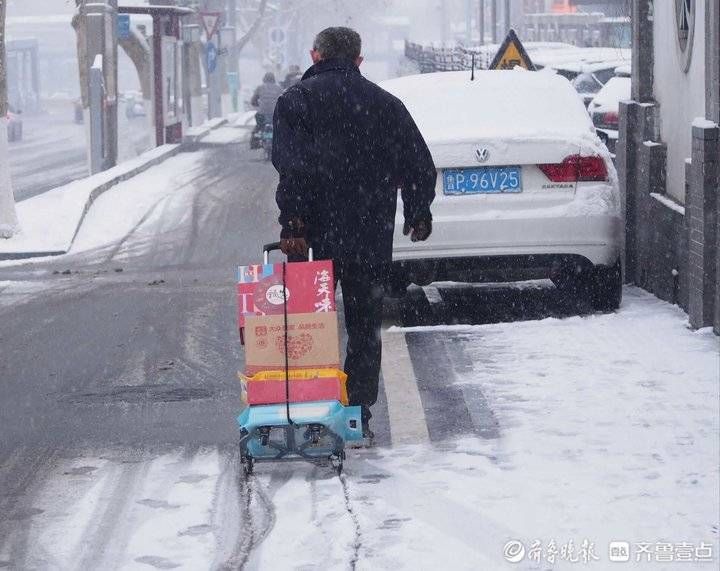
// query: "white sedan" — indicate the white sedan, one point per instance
point(525, 188)
point(605, 109)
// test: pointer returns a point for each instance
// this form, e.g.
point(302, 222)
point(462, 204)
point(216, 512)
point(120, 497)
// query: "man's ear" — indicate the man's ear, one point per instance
point(315, 56)
point(359, 60)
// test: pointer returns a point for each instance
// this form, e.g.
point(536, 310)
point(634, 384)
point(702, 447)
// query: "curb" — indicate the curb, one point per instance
point(195, 134)
point(123, 173)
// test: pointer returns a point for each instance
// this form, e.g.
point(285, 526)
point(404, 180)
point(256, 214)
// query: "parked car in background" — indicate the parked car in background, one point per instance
point(605, 108)
point(592, 78)
point(15, 125)
point(134, 106)
point(524, 186)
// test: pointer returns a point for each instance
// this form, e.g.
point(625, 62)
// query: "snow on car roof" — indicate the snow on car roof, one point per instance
point(447, 106)
point(617, 89)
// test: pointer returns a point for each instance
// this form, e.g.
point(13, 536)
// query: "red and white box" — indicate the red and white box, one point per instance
point(309, 288)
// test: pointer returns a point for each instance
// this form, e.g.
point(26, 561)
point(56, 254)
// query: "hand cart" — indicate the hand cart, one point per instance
point(313, 431)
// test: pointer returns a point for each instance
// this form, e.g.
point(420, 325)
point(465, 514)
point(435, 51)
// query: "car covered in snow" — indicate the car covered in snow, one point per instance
point(604, 109)
point(525, 187)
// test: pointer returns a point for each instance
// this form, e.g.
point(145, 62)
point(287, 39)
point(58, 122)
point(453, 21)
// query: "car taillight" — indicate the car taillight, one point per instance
point(610, 118)
point(576, 169)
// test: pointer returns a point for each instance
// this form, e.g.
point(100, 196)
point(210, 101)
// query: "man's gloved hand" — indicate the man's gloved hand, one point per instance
point(294, 247)
point(292, 239)
point(419, 230)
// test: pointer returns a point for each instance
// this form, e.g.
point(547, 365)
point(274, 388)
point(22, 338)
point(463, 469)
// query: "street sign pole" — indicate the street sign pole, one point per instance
point(211, 25)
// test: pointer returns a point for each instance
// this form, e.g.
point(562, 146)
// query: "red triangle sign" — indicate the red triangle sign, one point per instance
point(210, 21)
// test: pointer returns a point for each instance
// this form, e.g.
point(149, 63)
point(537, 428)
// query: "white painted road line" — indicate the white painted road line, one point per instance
point(407, 416)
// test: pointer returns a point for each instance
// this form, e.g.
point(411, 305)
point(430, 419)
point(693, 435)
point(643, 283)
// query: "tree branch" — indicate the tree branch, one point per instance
point(242, 42)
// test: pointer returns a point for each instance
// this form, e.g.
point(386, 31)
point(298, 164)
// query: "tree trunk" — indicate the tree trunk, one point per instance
point(3, 64)
point(79, 24)
point(8, 216)
point(138, 50)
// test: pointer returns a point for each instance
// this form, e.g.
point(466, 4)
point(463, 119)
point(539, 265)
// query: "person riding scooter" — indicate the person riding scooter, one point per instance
point(264, 99)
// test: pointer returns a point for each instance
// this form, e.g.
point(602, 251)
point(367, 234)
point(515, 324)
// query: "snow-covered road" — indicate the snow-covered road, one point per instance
point(606, 429)
point(557, 431)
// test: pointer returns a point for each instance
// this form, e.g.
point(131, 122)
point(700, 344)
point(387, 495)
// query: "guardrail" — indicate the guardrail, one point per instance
point(432, 58)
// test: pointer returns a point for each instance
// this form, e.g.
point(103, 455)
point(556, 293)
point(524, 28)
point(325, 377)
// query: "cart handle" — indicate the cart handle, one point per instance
point(267, 248)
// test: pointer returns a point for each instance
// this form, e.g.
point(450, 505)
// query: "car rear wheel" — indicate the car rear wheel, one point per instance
point(600, 286)
point(606, 287)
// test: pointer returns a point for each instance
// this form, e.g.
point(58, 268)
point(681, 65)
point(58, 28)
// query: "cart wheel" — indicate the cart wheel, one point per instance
point(248, 464)
point(337, 461)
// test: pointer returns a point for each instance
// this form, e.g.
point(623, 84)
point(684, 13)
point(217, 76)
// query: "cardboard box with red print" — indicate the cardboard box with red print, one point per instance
point(309, 288)
point(312, 342)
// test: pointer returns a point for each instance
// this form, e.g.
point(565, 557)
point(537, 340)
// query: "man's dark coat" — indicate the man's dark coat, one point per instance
point(343, 146)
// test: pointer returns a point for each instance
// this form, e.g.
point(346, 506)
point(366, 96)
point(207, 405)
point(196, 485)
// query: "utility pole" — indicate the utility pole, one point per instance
point(8, 216)
point(494, 20)
point(468, 21)
point(443, 21)
point(481, 22)
point(507, 17)
point(96, 25)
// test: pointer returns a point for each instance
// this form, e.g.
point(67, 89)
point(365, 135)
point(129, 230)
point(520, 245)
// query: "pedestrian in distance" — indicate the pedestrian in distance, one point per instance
point(343, 147)
point(292, 77)
point(264, 99)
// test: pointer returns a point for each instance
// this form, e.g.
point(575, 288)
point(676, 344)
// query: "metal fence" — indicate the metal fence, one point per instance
point(431, 58)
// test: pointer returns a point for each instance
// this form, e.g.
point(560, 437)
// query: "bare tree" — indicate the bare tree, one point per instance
point(8, 217)
point(253, 26)
point(79, 24)
point(3, 68)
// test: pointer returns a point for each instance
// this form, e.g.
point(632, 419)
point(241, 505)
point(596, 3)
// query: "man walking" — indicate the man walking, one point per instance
point(343, 147)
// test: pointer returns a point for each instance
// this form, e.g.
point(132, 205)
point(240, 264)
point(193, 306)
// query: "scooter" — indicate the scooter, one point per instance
point(267, 140)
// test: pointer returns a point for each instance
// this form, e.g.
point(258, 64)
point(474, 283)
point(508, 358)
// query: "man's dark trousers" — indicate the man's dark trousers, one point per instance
point(362, 293)
point(363, 289)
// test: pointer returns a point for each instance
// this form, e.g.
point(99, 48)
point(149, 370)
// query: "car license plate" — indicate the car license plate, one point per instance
point(490, 180)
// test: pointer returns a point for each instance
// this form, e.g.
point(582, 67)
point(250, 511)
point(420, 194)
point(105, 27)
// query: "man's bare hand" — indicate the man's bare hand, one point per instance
point(294, 247)
point(419, 231)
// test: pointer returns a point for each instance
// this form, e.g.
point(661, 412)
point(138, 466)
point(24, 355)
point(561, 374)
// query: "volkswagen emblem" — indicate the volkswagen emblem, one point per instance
point(482, 154)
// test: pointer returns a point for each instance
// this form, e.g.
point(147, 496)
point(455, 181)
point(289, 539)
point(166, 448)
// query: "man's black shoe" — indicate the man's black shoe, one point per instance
point(367, 433)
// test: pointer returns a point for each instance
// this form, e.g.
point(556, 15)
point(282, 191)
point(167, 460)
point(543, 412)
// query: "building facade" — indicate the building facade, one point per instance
point(669, 155)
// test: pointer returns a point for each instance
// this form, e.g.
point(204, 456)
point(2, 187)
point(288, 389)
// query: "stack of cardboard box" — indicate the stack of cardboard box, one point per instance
point(311, 342)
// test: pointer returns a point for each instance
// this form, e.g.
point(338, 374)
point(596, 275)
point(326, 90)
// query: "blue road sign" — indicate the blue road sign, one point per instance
point(123, 26)
point(211, 57)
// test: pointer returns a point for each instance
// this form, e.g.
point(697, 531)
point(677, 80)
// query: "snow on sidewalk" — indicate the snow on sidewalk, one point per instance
point(49, 221)
point(608, 431)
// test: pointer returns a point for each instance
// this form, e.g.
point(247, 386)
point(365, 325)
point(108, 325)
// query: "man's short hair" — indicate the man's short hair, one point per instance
point(338, 42)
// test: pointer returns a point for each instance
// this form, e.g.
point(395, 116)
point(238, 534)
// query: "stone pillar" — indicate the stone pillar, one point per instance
point(642, 51)
point(651, 161)
point(626, 165)
point(702, 212)
point(637, 125)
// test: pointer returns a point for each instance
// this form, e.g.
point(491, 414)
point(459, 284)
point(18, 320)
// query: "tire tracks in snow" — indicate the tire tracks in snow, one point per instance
point(21, 478)
point(357, 542)
point(254, 507)
point(109, 537)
